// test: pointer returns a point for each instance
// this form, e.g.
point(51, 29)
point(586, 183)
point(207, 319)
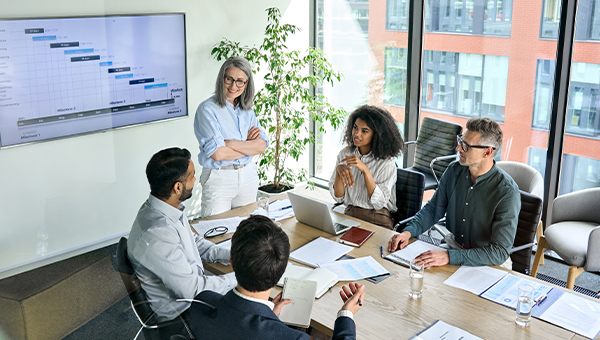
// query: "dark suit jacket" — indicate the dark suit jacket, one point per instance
point(237, 318)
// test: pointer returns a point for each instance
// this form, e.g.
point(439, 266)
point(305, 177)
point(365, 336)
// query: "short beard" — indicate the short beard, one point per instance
point(185, 193)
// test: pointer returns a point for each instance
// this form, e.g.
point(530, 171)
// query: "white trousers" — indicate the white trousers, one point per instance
point(223, 190)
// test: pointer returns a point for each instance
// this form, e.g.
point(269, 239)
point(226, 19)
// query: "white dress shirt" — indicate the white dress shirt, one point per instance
point(168, 261)
point(384, 174)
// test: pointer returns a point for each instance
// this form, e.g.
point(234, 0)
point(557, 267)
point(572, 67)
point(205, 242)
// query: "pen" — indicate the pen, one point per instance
point(540, 299)
point(289, 206)
point(359, 301)
point(381, 248)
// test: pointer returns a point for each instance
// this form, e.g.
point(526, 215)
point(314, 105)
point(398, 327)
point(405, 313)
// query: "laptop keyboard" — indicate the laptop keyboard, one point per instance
point(337, 227)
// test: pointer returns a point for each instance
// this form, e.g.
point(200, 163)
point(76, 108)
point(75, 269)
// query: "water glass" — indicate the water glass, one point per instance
point(524, 305)
point(263, 206)
point(417, 269)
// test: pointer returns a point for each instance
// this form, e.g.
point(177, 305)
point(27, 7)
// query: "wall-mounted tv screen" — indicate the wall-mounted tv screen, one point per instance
point(61, 77)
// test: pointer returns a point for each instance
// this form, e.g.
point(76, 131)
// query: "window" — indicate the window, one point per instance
point(395, 76)
point(481, 82)
point(397, 15)
point(490, 17)
point(588, 19)
point(583, 100)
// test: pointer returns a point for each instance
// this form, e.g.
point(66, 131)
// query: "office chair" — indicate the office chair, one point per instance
point(409, 196)
point(529, 216)
point(573, 233)
point(529, 180)
point(436, 144)
point(139, 300)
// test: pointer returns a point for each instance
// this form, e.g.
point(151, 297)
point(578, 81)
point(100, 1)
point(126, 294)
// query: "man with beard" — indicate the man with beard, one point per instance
point(162, 249)
point(481, 203)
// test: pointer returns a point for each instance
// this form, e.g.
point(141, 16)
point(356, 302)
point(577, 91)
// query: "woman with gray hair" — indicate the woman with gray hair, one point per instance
point(229, 136)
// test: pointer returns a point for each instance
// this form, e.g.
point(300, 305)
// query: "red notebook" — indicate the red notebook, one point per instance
point(356, 236)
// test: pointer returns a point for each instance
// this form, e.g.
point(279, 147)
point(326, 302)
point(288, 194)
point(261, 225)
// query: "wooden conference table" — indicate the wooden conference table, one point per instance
point(388, 312)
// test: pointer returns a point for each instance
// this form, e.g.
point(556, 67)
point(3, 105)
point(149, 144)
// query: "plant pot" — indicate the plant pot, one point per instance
point(268, 190)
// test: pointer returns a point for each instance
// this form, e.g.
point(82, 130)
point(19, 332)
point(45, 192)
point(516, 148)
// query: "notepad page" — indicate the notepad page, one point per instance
point(294, 271)
point(325, 279)
point(302, 294)
point(412, 250)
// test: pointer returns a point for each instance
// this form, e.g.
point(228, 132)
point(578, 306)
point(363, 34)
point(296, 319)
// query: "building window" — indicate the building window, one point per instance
point(480, 81)
point(583, 103)
point(397, 15)
point(395, 76)
point(588, 19)
point(491, 17)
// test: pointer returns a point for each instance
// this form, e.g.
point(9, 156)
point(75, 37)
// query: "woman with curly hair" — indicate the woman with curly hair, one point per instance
point(365, 174)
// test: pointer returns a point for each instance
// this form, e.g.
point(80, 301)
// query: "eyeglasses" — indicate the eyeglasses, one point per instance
point(238, 82)
point(465, 147)
point(216, 231)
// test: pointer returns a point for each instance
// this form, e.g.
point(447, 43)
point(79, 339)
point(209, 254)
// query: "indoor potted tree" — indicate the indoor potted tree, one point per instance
point(287, 103)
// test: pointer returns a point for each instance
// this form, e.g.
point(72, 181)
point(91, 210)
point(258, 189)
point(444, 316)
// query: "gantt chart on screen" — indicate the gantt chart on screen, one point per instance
point(60, 77)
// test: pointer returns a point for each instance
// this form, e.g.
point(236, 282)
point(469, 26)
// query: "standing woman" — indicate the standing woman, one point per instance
point(229, 136)
point(365, 174)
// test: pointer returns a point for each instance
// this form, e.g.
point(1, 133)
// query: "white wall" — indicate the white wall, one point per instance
point(86, 190)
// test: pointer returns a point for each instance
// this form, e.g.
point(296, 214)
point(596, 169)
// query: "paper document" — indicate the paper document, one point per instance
point(506, 291)
point(441, 330)
point(575, 313)
point(231, 223)
point(278, 210)
point(404, 256)
point(320, 250)
point(355, 269)
point(475, 279)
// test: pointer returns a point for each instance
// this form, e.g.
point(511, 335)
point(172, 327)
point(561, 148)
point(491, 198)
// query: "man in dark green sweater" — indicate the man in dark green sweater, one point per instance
point(481, 203)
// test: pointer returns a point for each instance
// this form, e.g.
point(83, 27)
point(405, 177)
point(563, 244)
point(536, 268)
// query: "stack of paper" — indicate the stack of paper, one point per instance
point(355, 269)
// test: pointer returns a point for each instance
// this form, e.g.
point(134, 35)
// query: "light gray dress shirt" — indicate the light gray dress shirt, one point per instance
point(168, 261)
point(383, 172)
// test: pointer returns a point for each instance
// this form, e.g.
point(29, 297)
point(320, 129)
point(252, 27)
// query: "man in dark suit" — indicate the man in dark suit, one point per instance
point(259, 255)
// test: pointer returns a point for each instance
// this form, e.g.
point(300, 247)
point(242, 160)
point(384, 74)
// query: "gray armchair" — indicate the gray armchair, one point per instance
point(574, 233)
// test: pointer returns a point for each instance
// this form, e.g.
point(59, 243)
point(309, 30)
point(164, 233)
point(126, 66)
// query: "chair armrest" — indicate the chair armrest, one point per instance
point(441, 158)
point(592, 263)
point(404, 221)
point(519, 248)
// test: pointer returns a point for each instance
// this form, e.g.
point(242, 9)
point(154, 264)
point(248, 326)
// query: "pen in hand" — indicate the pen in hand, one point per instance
point(359, 301)
point(381, 248)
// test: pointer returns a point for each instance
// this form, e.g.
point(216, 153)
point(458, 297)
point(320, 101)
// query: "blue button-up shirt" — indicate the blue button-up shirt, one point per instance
point(214, 124)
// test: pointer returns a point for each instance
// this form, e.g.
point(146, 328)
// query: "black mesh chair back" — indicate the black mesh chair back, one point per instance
point(409, 196)
point(139, 300)
point(437, 138)
point(529, 216)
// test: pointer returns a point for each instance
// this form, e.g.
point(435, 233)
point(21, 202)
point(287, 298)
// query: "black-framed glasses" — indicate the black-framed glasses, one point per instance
point(216, 231)
point(465, 147)
point(238, 82)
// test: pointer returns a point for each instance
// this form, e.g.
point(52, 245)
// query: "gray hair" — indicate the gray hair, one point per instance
point(491, 134)
point(246, 99)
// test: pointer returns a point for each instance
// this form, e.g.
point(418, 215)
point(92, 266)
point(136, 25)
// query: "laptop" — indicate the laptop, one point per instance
point(318, 215)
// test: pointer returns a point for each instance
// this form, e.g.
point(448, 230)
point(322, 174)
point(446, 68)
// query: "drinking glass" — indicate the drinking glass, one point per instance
point(417, 269)
point(263, 206)
point(524, 305)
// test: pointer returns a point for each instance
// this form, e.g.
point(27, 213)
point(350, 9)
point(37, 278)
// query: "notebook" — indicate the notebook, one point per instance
point(325, 278)
point(404, 256)
point(302, 293)
point(356, 236)
point(319, 250)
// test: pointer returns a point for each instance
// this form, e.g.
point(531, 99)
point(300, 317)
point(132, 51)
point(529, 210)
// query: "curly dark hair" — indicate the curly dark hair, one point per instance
point(387, 141)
